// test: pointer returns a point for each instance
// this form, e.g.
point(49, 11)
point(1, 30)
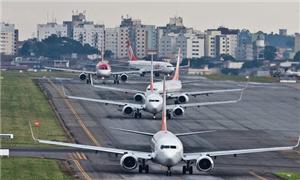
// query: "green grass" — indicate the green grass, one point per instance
point(289, 175)
point(242, 78)
point(22, 101)
point(30, 168)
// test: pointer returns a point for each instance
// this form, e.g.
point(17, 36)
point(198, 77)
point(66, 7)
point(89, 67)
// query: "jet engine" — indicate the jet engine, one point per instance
point(129, 161)
point(183, 98)
point(82, 76)
point(205, 163)
point(127, 110)
point(178, 111)
point(123, 77)
point(139, 97)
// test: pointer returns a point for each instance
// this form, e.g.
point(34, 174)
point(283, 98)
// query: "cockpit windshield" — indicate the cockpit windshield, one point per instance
point(167, 147)
point(153, 100)
point(103, 66)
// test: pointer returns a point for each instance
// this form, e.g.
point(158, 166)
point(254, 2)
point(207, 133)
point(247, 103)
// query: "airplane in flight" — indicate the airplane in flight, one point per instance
point(173, 86)
point(152, 102)
point(145, 66)
point(166, 149)
point(102, 71)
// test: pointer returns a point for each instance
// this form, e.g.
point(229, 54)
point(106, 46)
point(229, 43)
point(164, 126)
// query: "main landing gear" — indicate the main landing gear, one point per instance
point(88, 79)
point(187, 168)
point(116, 79)
point(144, 167)
point(169, 116)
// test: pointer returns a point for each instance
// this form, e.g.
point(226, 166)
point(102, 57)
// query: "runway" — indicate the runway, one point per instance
point(267, 116)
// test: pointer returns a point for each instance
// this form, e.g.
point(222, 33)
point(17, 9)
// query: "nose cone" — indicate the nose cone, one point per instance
point(171, 158)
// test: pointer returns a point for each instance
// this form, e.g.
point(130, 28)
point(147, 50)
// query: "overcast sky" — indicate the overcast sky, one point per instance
point(267, 15)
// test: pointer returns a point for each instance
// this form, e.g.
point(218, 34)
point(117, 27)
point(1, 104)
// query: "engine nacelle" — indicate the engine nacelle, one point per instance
point(82, 76)
point(129, 161)
point(205, 163)
point(123, 77)
point(183, 98)
point(139, 97)
point(178, 111)
point(128, 110)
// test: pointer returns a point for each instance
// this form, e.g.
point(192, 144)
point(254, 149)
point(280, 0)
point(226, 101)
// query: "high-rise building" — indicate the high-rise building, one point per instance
point(111, 40)
point(151, 38)
point(46, 30)
point(77, 18)
point(259, 45)
point(170, 43)
point(245, 45)
point(211, 42)
point(283, 32)
point(297, 43)
point(8, 39)
point(195, 45)
point(92, 34)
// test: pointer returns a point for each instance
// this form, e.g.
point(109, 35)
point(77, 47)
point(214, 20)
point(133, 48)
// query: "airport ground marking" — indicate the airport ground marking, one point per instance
point(83, 172)
point(257, 176)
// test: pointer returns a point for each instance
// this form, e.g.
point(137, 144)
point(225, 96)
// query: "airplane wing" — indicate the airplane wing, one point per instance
point(71, 70)
point(116, 89)
point(107, 102)
point(138, 154)
point(197, 93)
point(126, 72)
point(195, 156)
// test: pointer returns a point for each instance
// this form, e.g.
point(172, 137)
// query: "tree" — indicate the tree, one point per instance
point(270, 53)
point(227, 57)
point(297, 56)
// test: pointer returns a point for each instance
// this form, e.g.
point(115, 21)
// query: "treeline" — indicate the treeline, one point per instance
point(55, 47)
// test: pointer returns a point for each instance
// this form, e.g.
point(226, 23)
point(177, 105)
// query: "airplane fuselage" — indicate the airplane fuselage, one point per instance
point(163, 67)
point(167, 148)
point(171, 86)
point(103, 70)
point(153, 102)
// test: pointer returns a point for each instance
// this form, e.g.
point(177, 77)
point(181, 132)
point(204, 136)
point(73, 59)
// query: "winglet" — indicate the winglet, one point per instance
point(297, 145)
point(176, 75)
point(164, 113)
point(31, 131)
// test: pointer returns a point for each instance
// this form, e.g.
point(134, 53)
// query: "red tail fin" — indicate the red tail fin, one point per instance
point(131, 55)
point(176, 75)
point(164, 112)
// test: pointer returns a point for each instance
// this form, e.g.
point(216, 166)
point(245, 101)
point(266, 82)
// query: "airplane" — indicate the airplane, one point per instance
point(292, 73)
point(173, 86)
point(152, 102)
point(102, 71)
point(145, 66)
point(166, 149)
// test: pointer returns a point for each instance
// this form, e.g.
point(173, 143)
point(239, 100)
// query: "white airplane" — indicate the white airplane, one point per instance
point(166, 150)
point(145, 66)
point(102, 71)
point(173, 86)
point(152, 102)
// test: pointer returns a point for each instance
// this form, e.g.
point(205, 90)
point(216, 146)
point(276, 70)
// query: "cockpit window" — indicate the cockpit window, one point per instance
point(153, 100)
point(153, 89)
point(169, 66)
point(167, 147)
point(103, 66)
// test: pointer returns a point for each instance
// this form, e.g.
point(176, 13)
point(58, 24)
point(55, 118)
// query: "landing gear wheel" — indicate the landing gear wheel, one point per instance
point(191, 170)
point(146, 169)
point(156, 74)
point(137, 115)
point(140, 168)
point(88, 81)
point(183, 169)
point(169, 172)
point(169, 116)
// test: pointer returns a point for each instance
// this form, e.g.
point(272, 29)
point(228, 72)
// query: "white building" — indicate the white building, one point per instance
point(92, 34)
point(297, 43)
point(111, 40)
point(194, 45)
point(8, 39)
point(46, 30)
point(227, 44)
point(170, 43)
point(151, 38)
point(211, 42)
point(123, 37)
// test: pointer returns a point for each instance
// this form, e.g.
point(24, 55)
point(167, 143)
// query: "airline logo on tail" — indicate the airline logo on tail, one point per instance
point(131, 55)
point(176, 75)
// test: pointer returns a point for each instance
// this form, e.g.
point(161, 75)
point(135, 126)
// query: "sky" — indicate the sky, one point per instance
point(255, 15)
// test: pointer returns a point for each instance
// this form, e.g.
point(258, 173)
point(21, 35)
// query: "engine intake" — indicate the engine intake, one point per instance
point(82, 76)
point(183, 99)
point(127, 110)
point(178, 111)
point(205, 163)
point(129, 161)
point(123, 77)
point(139, 97)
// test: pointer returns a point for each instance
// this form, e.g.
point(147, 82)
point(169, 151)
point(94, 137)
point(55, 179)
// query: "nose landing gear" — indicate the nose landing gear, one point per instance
point(169, 172)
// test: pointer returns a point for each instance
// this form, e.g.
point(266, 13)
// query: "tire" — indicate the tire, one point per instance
point(146, 169)
point(191, 170)
point(140, 169)
point(183, 169)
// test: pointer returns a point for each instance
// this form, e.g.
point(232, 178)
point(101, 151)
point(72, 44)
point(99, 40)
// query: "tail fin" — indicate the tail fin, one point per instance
point(131, 55)
point(151, 78)
point(176, 75)
point(164, 112)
